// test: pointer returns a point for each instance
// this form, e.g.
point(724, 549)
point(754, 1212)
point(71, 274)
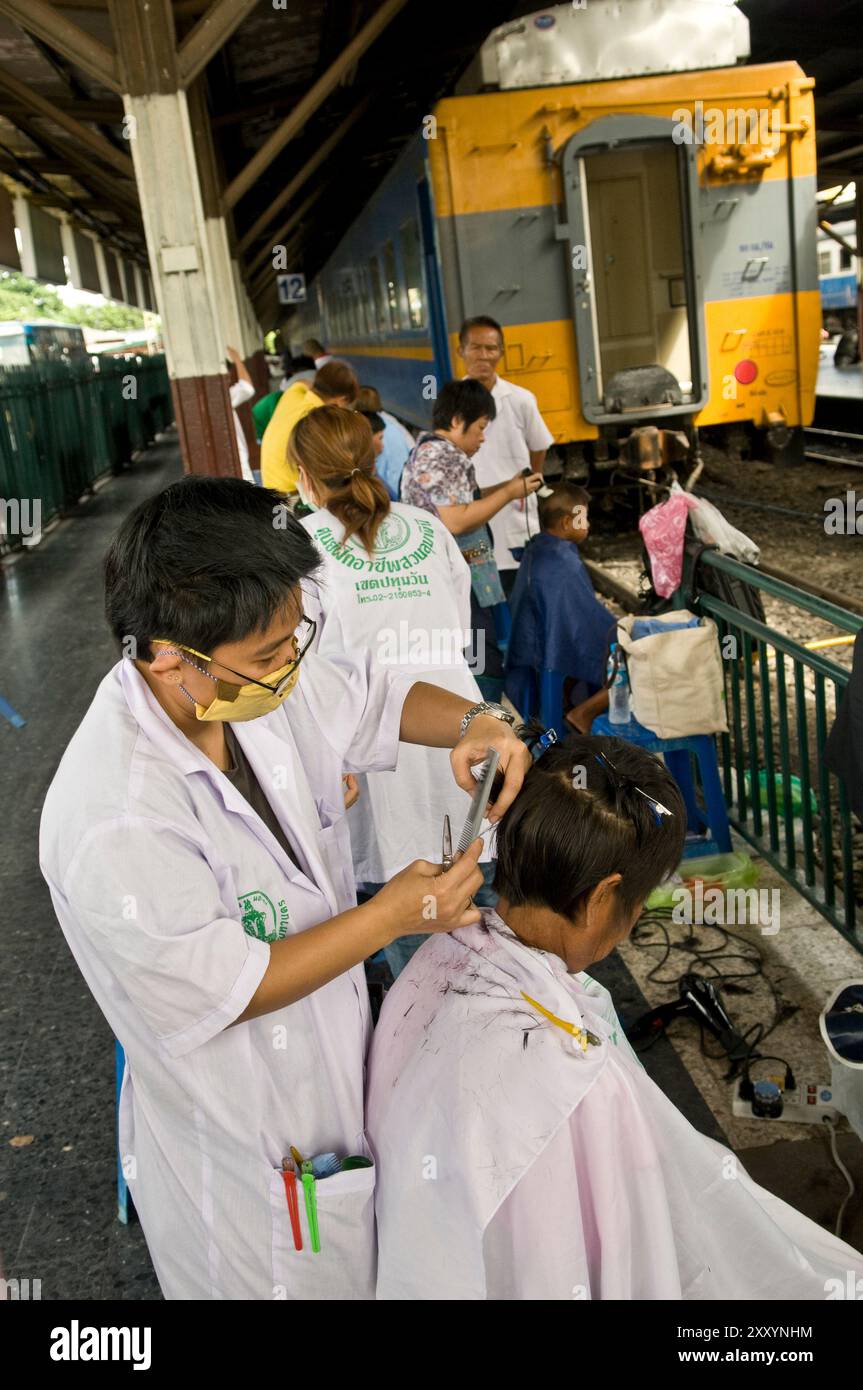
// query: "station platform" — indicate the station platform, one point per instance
point(57, 1159)
point(838, 383)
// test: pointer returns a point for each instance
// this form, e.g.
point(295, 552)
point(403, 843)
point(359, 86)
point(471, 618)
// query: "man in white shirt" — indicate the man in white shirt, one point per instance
point(516, 438)
point(316, 350)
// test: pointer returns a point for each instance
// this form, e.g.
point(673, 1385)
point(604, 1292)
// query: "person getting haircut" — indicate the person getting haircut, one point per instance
point(558, 623)
point(563, 1170)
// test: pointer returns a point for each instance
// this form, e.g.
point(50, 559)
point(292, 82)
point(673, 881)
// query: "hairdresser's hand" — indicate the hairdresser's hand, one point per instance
point(423, 899)
point(484, 733)
point(351, 788)
point(523, 484)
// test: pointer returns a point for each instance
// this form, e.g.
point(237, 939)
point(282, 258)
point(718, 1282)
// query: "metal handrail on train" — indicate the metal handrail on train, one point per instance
point(781, 797)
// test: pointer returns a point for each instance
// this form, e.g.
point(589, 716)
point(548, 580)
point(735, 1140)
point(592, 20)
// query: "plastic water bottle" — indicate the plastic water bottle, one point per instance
point(618, 694)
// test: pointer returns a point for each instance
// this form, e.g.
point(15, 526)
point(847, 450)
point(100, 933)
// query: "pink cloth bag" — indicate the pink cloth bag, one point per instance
point(663, 528)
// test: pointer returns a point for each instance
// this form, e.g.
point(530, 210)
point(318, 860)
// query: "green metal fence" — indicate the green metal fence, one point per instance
point(63, 425)
point(781, 700)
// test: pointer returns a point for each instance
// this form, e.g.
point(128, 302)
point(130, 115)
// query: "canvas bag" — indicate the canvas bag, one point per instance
point(676, 678)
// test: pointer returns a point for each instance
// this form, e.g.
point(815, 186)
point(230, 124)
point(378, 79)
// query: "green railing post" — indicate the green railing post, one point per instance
point(63, 425)
point(756, 737)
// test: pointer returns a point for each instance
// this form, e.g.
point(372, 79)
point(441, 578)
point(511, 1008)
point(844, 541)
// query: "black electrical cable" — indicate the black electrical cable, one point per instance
point(708, 959)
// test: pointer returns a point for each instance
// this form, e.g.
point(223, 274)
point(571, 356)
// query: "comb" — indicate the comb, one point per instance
point(479, 803)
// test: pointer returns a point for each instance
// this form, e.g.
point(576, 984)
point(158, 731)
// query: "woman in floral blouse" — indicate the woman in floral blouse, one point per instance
point(439, 476)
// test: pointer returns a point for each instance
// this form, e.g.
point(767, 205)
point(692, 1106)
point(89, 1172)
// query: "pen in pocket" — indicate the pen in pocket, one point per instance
point(308, 1178)
point(290, 1179)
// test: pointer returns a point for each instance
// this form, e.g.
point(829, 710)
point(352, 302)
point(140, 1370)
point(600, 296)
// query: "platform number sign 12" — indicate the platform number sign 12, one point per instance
point(292, 289)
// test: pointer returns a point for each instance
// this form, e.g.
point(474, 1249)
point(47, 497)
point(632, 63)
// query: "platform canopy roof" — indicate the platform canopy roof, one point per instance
point(308, 103)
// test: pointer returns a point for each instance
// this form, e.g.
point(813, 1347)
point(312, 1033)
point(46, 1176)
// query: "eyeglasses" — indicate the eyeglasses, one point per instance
point(623, 783)
point(303, 637)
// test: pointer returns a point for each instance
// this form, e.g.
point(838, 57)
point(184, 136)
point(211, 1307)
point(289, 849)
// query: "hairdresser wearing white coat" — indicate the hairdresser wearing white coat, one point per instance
point(393, 583)
point(195, 845)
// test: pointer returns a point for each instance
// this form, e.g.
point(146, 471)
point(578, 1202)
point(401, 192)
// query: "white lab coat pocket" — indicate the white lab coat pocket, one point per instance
point(334, 839)
point(345, 1267)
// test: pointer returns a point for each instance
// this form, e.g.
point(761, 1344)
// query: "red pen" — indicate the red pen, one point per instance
point(290, 1178)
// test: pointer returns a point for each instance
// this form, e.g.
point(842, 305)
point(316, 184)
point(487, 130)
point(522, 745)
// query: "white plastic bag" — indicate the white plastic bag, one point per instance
point(711, 527)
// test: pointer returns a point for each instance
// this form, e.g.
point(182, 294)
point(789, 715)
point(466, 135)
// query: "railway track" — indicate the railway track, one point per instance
point(610, 586)
point(847, 447)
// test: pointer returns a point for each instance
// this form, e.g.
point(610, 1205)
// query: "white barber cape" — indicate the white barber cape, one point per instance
point(516, 431)
point(513, 1165)
point(408, 605)
point(168, 888)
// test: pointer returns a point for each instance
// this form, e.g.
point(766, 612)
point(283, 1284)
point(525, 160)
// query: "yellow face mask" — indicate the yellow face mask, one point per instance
point(236, 703)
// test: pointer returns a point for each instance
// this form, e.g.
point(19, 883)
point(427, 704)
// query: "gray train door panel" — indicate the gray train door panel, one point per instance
point(631, 201)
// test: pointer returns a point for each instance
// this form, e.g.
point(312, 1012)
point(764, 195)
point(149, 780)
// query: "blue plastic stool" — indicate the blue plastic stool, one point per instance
point(709, 832)
point(122, 1189)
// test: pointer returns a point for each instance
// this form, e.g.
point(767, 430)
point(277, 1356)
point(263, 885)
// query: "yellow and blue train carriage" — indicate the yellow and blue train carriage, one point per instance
point(377, 302)
point(648, 244)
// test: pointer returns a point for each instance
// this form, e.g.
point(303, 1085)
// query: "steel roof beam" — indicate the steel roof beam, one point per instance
point(42, 20)
point(314, 98)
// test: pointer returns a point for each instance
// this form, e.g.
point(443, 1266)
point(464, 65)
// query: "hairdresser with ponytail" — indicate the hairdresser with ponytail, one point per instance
point(394, 583)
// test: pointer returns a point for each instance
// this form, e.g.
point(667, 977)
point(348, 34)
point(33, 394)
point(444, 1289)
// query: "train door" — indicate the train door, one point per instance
point(631, 200)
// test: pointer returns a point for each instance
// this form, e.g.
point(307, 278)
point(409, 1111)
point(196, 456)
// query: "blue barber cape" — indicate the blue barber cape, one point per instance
point(558, 623)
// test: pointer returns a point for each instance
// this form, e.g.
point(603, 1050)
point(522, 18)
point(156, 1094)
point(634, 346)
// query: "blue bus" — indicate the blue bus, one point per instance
point(23, 343)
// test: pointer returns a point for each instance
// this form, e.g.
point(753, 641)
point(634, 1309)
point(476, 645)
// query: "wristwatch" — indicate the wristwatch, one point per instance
point(487, 707)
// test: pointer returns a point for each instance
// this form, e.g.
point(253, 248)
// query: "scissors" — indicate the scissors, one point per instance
point(446, 858)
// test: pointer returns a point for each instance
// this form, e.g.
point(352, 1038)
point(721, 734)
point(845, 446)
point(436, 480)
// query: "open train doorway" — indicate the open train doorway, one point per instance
point(632, 209)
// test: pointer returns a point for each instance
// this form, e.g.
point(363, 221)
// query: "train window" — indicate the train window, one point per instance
point(392, 289)
point(844, 259)
point(412, 262)
point(377, 295)
point(824, 259)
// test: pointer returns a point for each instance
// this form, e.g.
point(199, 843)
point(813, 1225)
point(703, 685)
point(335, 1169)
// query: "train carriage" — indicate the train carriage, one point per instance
point(647, 242)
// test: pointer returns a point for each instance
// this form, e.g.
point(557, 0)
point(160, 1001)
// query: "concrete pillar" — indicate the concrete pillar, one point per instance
point(179, 261)
point(70, 250)
point(253, 345)
point(226, 306)
point(177, 239)
point(225, 301)
point(102, 268)
point(21, 210)
point(139, 284)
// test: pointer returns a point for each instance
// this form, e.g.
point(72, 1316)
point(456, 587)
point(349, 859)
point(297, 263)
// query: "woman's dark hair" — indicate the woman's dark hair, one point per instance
point(335, 448)
point(206, 561)
point(336, 380)
point(368, 398)
point(575, 821)
point(468, 400)
point(376, 421)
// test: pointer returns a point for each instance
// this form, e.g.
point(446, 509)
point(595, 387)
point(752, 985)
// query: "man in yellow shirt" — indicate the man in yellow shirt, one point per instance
point(335, 383)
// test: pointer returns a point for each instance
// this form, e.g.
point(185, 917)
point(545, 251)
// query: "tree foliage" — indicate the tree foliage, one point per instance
point(23, 298)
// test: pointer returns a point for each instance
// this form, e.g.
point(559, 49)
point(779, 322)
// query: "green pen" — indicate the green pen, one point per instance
point(308, 1180)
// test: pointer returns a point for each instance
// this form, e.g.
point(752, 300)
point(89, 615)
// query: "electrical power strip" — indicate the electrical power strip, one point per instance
point(810, 1104)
